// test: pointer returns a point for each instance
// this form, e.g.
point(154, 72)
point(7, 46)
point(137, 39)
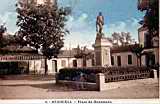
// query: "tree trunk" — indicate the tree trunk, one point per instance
point(46, 66)
point(140, 63)
point(137, 61)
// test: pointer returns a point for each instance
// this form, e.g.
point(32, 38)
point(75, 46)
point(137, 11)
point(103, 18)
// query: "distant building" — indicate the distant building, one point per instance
point(28, 60)
point(24, 60)
point(123, 56)
point(151, 46)
point(149, 41)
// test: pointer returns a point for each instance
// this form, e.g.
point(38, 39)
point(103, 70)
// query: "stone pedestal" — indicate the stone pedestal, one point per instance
point(102, 51)
point(100, 81)
point(155, 74)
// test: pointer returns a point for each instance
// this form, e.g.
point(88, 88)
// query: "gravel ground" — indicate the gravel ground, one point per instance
point(47, 89)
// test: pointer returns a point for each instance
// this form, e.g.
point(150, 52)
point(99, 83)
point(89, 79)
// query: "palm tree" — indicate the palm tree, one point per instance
point(137, 49)
point(84, 54)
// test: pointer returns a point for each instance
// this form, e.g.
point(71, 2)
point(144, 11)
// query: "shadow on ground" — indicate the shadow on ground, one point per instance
point(28, 77)
point(50, 87)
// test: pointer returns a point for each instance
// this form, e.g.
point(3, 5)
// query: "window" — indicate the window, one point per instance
point(119, 60)
point(147, 40)
point(63, 63)
point(129, 59)
point(93, 63)
point(74, 63)
point(112, 60)
point(150, 59)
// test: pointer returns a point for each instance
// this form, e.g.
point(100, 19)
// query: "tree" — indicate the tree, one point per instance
point(116, 37)
point(127, 37)
point(43, 28)
point(137, 49)
point(81, 53)
point(151, 18)
point(123, 38)
point(84, 54)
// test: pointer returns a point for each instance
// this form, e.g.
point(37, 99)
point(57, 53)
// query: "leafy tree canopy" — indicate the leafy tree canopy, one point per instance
point(42, 27)
point(151, 18)
point(124, 38)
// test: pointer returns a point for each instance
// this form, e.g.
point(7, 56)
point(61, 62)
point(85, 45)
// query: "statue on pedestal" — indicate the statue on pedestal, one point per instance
point(100, 23)
point(102, 44)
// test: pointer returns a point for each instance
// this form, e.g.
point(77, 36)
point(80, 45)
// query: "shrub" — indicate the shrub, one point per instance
point(90, 72)
point(75, 73)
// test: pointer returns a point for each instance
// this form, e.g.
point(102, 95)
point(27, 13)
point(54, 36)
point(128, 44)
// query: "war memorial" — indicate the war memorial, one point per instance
point(107, 71)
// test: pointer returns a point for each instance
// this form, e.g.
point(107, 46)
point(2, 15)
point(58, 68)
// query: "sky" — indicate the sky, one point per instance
point(120, 16)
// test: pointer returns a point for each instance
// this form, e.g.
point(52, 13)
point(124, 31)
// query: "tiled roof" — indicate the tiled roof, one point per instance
point(70, 53)
point(119, 49)
point(18, 50)
point(67, 53)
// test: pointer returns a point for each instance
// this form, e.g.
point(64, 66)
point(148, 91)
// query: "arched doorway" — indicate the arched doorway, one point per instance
point(54, 66)
point(74, 63)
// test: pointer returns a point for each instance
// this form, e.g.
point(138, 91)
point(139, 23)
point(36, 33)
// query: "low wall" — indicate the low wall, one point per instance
point(78, 85)
point(101, 84)
point(112, 74)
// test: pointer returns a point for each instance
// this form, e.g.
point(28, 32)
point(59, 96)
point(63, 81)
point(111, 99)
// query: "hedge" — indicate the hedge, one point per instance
point(90, 72)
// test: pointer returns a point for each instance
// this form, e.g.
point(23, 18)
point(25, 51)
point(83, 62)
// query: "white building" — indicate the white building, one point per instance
point(103, 55)
point(122, 56)
point(29, 61)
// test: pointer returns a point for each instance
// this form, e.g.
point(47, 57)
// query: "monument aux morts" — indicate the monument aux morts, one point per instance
point(102, 44)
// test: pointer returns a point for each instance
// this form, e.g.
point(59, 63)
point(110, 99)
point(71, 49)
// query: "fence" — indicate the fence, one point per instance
point(112, 74)
point(99, 78)
point(130, 75)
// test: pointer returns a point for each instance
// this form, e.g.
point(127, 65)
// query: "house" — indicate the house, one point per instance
point(26, 60)
point(123, 56)
point(149, 41)
point(151, 46)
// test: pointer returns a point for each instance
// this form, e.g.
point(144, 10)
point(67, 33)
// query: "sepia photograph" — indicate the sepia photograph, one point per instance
point(79, 49)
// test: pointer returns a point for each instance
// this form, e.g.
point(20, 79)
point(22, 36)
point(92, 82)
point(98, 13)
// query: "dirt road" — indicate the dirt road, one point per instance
point(47, 89)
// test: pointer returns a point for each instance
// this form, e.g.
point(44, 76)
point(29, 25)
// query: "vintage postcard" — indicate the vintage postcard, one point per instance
point(79, 51)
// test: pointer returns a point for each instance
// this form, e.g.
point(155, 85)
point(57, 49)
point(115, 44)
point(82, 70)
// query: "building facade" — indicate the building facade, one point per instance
point(151, 46)
point(123, 56)
point(16, 60)
point(26, 60)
